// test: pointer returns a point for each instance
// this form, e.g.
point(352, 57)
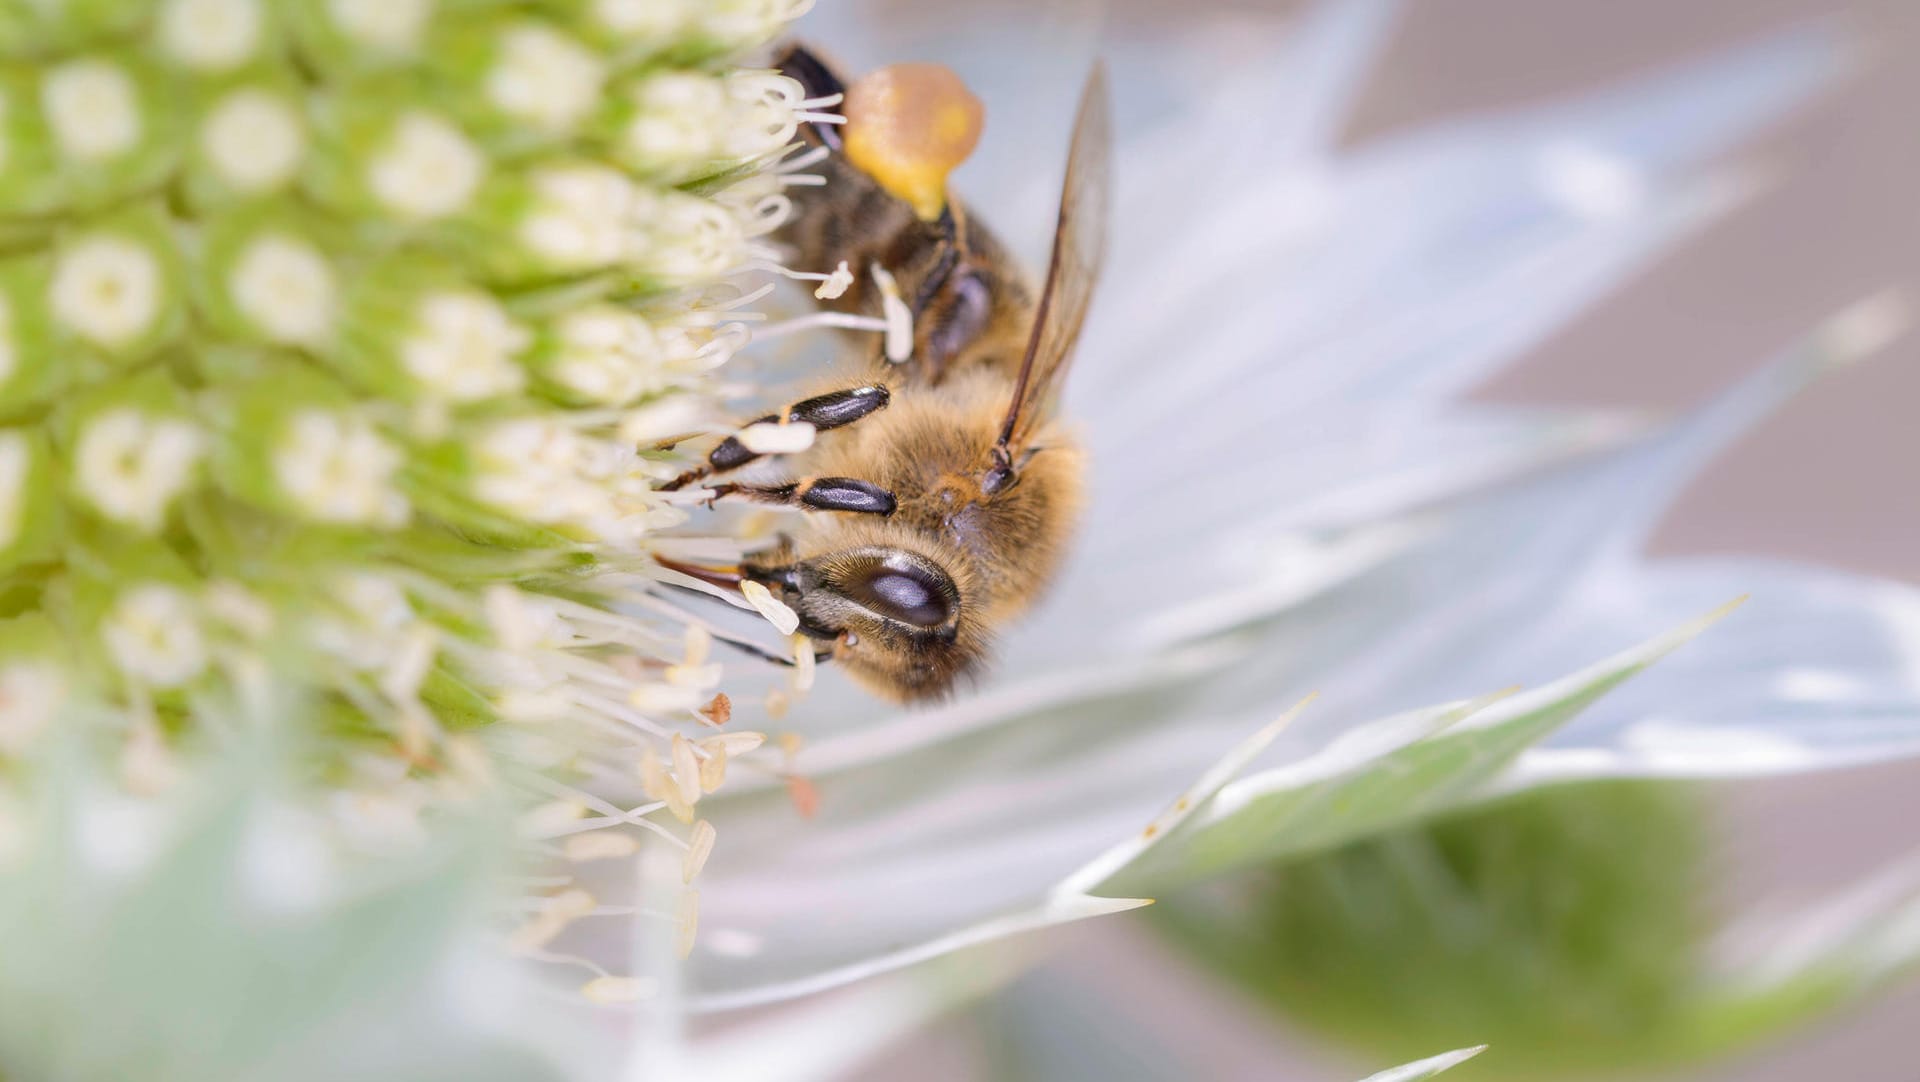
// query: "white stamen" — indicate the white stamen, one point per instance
point(777, 437)
point(783, 619)
point(842, 320)
point(765, 113)
point(699, 643)
point(686, 770)
point(713, 771)
point(733, 744)
point(664, 698)
point(686, 922)
point(803, 663)
point(699, 848)
point(836, 284)
point(696, 677)
point(899, 318)
point(551, 818)
point(600, 845)
point(653, 775)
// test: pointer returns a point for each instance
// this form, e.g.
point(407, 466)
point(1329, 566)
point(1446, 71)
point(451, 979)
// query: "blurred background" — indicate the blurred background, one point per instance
point(1828, 479)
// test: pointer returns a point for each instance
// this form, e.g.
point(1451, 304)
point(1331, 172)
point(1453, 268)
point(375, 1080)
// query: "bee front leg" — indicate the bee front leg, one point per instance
point(819, 494)
point(828, 411)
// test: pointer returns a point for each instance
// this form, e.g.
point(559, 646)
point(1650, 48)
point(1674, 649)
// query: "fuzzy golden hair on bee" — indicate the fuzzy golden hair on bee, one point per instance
point(1000, 551)
point(941, 490)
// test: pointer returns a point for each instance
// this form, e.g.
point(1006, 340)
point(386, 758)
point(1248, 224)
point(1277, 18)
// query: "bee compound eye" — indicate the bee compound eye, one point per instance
point(904, 596)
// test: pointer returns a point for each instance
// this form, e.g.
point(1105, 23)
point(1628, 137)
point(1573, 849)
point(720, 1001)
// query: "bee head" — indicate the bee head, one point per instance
point(896, 618)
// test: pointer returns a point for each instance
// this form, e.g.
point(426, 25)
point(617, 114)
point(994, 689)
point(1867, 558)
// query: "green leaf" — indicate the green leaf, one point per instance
point(1382, 775)
point(1571, 926)
point(1565, 926)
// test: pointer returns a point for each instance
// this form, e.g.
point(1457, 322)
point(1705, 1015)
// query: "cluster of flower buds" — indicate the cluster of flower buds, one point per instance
point(335, 340)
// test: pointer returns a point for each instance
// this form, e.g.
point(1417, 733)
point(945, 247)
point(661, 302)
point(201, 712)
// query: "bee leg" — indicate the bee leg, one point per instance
point(819, 494)
point(831, 410)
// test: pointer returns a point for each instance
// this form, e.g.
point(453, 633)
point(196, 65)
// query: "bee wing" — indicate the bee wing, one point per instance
point(1079, 246)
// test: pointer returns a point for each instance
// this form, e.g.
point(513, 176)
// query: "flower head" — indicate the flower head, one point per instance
point(321, 369)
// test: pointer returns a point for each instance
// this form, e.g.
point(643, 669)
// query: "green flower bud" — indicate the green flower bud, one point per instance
point(115, 285)
point(336, 340)
point(111, 130)
point(251, 139)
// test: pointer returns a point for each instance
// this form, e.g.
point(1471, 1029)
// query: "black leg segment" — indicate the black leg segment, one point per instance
point(831, 410)
point(819, 494)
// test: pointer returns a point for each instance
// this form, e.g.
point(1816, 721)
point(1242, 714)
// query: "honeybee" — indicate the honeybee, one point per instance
point(944, 508)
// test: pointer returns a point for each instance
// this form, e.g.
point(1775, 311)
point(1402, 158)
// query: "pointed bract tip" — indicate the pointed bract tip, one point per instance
point(1094, 905)
point(1865, 327)
point(1691, 630)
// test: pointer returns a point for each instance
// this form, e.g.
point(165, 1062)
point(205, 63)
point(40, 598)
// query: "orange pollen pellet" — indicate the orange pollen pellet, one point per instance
point(909, 126)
